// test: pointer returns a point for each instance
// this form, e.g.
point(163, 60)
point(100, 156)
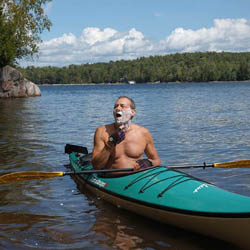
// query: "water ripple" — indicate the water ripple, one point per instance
point(191, 123)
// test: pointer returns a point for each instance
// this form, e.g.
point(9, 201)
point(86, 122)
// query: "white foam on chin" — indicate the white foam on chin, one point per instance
point(125, 117)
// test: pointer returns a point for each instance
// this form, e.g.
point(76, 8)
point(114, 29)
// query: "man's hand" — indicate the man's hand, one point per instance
point(144, 163)
point(117, 137)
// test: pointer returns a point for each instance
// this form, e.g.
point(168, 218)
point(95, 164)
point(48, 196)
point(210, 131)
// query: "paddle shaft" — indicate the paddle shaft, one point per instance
point(99, 171)
point(192, 166)
point(29, 175)
point(230, 164)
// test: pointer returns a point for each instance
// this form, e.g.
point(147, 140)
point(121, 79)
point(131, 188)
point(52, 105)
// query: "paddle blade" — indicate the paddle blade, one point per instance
point(233, 164)
point(28, 175)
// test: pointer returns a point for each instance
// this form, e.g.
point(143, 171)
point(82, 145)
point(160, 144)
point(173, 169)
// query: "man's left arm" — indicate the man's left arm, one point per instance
point(151, 151)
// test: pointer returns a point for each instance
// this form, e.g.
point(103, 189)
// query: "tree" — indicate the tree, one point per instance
point(244, 72)
point(7, 45)
point(21, 23)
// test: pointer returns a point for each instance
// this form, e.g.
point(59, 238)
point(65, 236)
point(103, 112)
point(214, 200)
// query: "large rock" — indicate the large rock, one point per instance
point(13, 84)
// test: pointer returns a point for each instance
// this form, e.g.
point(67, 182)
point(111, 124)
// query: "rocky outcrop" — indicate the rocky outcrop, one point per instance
point(13, 84)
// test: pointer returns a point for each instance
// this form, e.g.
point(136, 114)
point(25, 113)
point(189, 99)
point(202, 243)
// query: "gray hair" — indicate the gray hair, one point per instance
point(132, 102)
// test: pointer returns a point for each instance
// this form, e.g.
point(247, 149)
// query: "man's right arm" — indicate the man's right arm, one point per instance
point(102, 150)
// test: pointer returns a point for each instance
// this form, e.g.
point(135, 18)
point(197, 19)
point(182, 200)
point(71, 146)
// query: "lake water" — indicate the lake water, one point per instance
point(191, 123)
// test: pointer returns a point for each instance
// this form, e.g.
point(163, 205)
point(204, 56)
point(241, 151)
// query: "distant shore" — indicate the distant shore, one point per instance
point(173, 68)
point(151, 83)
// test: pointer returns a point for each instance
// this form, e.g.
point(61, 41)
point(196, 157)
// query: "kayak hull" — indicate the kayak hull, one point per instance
point(136, 193)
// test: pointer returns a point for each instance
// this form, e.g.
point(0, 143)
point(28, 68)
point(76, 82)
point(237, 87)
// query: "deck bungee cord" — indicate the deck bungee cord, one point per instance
point(178, 179)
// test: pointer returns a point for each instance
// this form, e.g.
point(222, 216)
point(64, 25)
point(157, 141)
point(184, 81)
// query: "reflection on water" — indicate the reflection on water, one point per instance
point(190, 123)
point(113, 229)
point(20, 221)
point(19, 134)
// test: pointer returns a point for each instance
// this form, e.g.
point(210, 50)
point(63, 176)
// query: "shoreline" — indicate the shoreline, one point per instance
point(150, 83)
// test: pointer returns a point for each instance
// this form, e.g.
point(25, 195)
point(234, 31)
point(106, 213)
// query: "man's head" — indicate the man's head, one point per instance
point(132, 103)
point(124, 109)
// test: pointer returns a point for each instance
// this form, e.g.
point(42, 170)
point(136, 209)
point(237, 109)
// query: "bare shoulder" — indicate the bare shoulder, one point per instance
point(104, 129)
point(142, 130)
point(100, 129)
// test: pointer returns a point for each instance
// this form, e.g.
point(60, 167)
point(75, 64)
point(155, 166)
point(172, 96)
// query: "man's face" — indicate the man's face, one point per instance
point(122, 110)
point(122, 104)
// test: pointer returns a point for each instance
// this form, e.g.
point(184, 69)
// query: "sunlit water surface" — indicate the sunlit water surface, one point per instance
point(191, 123)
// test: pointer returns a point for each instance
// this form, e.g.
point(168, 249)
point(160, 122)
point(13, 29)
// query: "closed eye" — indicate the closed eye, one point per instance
point(121, 105)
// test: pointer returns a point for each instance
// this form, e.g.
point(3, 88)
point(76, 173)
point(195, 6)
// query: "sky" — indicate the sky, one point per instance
point(90, 31)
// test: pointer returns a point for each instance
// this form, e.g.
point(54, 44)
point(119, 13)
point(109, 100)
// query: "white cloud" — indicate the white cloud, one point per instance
point(226, 34)
point(95, 45)
point(94, 35)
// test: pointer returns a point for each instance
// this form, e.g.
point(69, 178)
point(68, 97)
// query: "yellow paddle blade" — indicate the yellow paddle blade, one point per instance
point(233, 164)
point(28, 175)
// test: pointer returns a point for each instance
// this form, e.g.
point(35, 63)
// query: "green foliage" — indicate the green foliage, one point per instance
point(187, 67)
point(7, 44)
point(21, 23)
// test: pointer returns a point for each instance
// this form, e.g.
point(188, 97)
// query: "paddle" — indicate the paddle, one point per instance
point(30, 175)
point(232, 164)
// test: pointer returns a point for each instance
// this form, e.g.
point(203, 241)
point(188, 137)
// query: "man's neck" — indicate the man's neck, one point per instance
point(127, 125)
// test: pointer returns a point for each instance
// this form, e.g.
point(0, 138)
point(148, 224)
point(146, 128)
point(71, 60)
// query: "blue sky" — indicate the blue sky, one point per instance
point(88, 31)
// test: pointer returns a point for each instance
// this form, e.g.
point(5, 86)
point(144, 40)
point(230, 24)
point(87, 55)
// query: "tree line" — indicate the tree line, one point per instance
point(184, 67)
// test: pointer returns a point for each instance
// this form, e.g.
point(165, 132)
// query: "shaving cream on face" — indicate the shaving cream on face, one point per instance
point(123, 117)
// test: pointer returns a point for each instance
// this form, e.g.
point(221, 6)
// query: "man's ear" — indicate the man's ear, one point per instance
point(133, 113)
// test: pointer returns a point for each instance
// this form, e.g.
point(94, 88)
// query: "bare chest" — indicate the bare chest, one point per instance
point(133, 146)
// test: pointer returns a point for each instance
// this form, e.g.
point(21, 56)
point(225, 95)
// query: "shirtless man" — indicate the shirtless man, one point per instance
point(121, 144)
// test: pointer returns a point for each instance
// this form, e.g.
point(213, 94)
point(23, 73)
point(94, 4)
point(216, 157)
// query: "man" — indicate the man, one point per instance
point(122, 143)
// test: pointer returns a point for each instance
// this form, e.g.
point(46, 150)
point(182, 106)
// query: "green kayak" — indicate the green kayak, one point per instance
point(173, 197)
